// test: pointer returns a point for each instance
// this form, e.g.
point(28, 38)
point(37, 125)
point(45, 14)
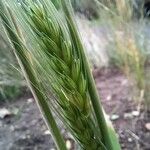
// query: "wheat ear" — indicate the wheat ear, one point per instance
point(71, 86)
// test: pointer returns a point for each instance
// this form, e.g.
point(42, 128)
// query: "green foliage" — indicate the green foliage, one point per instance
point(9, 92)
point(11, 80)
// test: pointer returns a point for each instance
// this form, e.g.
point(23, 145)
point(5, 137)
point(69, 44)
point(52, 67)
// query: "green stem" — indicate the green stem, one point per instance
point(91, 84)
point(30, 77)
point(44, 107)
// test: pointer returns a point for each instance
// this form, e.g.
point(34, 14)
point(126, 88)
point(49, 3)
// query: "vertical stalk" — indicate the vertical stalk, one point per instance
point(30, 76)
point(91, 84)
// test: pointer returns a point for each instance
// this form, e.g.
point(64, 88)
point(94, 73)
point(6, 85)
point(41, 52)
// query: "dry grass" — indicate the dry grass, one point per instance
point(128, 48)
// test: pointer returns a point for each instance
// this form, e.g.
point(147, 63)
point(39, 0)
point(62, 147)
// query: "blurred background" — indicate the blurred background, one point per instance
point(116, 36)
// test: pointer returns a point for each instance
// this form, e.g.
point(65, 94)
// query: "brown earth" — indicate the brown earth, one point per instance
point(27, 131)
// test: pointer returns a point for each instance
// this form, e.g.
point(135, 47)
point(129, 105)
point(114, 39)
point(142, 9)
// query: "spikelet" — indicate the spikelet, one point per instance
point(71, 85)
